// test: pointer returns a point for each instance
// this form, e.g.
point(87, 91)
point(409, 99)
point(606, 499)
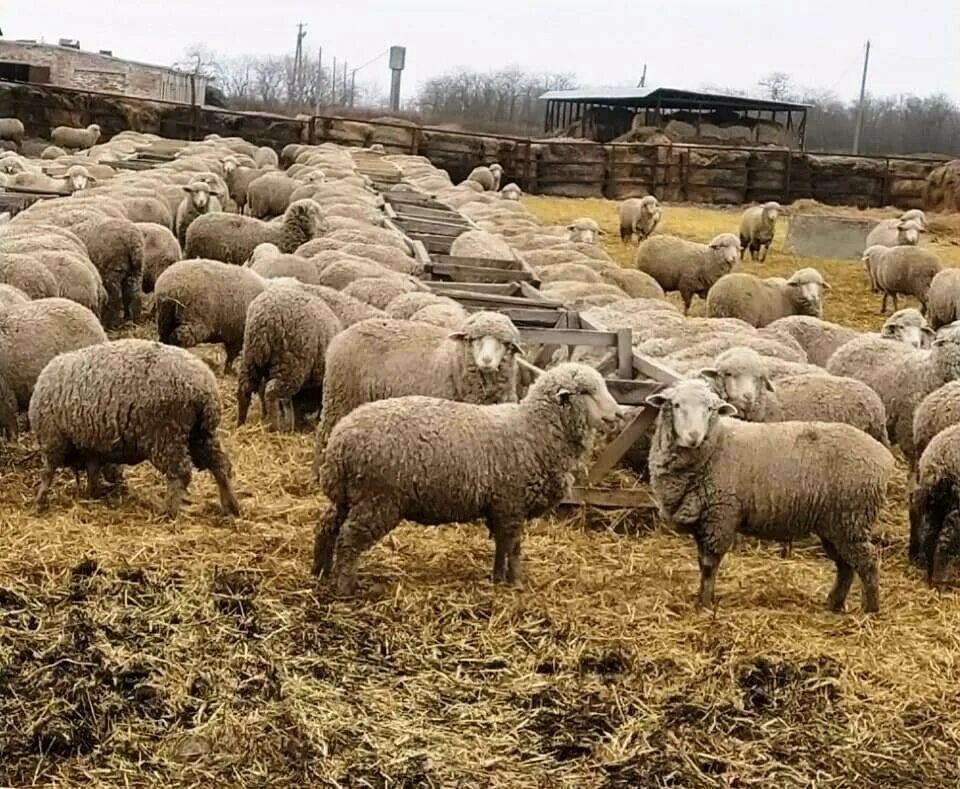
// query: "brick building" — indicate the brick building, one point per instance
point(67, 66)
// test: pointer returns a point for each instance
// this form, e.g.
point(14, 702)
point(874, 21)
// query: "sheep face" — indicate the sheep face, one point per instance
point(582, 395)
point(511, 192)
point(12, 166)
point(909, 232)
point(584, 231)
point(77, 178)
point(199, 195)
point(743, 389)
point(770, 212)
point(689, 410)
point(488, 353)
point(914, 333)
point(601, 408)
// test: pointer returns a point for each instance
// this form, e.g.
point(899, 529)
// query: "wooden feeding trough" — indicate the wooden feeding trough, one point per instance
point(13, 202)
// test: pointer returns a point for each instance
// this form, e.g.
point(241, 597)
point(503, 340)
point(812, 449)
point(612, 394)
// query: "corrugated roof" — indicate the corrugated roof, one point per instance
point(669, 98)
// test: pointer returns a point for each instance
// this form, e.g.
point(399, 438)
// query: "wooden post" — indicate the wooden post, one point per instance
point(415, 141)
point(787, 166)
point(624, 353)
point(653, 171)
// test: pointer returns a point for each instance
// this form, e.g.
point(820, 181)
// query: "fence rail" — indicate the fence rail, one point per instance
point(674, 172)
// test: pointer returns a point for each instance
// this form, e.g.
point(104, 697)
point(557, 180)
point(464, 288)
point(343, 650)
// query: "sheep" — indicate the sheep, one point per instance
point(238, 180)
point(125, 402)
point(446, 314)
point(52, 152)
point(636, 284)
point(639, 217)
point(585, 230)
point(272, 266)
point(581, 295)
point(76, 276)
point(934, 514)
point(569, 272)
point(341, 273)
point(160, 251)
point(263, 252)
point(488, 178)
point(20, 270)
point(511, 192)
point(200, 301)
point(904, 383)
point(266, 157)
point(347, 309)
point(12, 129)
point(943, 298)
point(741, 377)
point(406, 305)
point(285, 339)
point(476, 364)
point(380, 291)
point(901, 270)
point(233, 238)
point(11, 297)
point(685, 266)
point(503, 463)
point(895, 232)
point(270, 194)
point(73, 139)
point(757, 228)
point(715, 477)
point(196, 202)
point(818, 338)
point(937, 411)
point(761, 301)
point(32, 334)
point(371, 235)
point(147, 209)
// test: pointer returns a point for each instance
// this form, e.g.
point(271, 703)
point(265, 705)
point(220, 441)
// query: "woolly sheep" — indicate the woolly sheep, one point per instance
point(934, 513)
point(199, 301)
point(480, 244)
point(757, 228)
point(686, 266)
point(406, 305)
point(715, 477)
point(487, 177)
point(585, 230)
point(266, 157)
point(12, 129)
point(233, 238)
point(160, 251)
point(285, 340)
point(636, 284)
point(904, 383)
point(125, 402)
point(293, 266)
point(937, 411)
point(269, 195)
point(639, 217)
point(347, 309)
point(73, 139)
point(52, 152)
point(194, 203)
point(371, 235)
point(448, 315)
point(147, 209)
point(511, 192)
point(741, 377)
point(504, 463)
point(581, 295)
point(77, 278)
point(943, 298)
point(20, 270)
point(818, 338)
point(11, 296)
point(761, 301)
point(380, 291)
point(341, 273)
point(238, 180)
point(570, 272)
point(476, 364)
point(32, 334)
point(895, 232)
point(901, 270)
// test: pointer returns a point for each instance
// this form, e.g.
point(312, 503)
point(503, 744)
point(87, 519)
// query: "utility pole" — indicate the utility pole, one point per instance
point(398, 59)
point(863, 88)
point(319, 93)
point(344, 83)
point(333, 83)
point(298, 70)
point(353, 86)
point(643, 77)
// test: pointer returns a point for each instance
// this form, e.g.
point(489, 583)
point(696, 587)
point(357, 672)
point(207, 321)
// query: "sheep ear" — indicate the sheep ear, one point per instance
point(563, 396)
point(826, 285)
point(457, 335)
point(708, 373)
point(767, 385)
point(517, 349)
point(189, 188)
point(930, 333)
point(657, 401)
point(725, 409)
point(890, 331)
point(601, 232)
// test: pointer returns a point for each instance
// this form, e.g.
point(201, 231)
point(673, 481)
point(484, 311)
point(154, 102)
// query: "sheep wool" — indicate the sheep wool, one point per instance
point(761, 301)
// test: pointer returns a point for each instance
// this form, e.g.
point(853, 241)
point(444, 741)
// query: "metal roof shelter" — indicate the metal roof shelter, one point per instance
point(566, 107)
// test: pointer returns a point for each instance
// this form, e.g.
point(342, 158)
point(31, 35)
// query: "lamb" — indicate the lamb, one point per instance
point(487, 177)
point(639, 217)
point(269, 195)
point(201, 301)
point(867, 357)
point(903, 384)
point(636, 284)
point(585, 230)
point(504, 463)
point(196, 202)
point(896, 232)
point(685, 266)
point(125, 402)
point(943, 298)
point(757, 228)
point(233, 238)
point(934, 512)
point(11, 297)
point(819, 339)
point(32, 334)
point(714, 477)
point(12, 129)
point(380, 291)
point(160, 251)
point(285, 341)
point(761, 301)
point(476, 364)
point(901, 270)
point(511, 192)
point(741, 377)
point(937, 411)
point(73, 139)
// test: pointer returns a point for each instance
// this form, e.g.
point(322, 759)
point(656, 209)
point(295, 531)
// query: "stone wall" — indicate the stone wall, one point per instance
point(73, 68)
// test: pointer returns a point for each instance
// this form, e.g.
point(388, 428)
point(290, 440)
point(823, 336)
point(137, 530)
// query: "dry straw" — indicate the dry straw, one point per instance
point(134, 652)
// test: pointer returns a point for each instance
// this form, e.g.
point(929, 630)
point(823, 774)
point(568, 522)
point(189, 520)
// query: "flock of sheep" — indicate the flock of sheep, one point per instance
point(778, 428)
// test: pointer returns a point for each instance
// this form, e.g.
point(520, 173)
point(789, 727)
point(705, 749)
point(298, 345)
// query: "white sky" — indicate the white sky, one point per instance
point(686, 43)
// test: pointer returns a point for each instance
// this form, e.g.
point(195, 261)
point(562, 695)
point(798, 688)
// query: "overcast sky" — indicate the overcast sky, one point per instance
point(686, 43)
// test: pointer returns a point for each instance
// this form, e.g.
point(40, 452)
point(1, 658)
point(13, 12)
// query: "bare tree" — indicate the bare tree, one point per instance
point(777, 86)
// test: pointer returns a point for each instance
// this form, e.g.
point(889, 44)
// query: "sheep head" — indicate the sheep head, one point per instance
point(689, 410)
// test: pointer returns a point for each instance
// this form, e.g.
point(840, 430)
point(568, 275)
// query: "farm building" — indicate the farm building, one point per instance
point(66, 65)
point(636, 114)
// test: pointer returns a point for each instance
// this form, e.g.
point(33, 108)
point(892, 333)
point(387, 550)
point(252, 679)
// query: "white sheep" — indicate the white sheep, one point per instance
point(639, 217)
point(195, 203)
point(761, 301)
point(900, 270)
point(757, 228)
point(943, 298)
point(895, 232)
point(73, 139)
point(585, 230)
point(511, 192)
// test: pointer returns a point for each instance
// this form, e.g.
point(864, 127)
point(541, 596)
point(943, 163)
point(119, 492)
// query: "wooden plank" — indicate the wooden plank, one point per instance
point(630, 392)
point(643, 365)
point(499, 288)
point(475, 273)
point(432, 226)
point(624, 353)
point(490, 263)
point(611, 498)
point(506, 301)
point(420, 252)
point(416, 198)
point(422, 212)
point(594, 339)
point(641, 422)
point(529, 315)
point(433, 243)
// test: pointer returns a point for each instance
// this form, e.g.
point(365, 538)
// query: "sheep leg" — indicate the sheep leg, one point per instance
point(130, 292)
point(709, 562)
point(244, 393)
point(507, 564)
point(883, 304)
point(859, 557)
point(233, 351)
point(896, 306)
point(93, 478)
point(687, 298)
point(763, 252)
point(366, 522)
point(113, 311)
point(53, 459)
point(325, 539)
point(207, 454)
point(787, 549)
point(173, 461)
point(841, 587)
